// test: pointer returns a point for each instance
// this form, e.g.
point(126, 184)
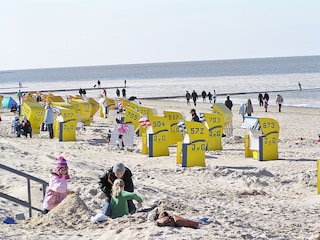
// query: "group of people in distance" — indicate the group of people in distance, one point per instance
point(245, 108)
point(263, 100)
point(194, 96)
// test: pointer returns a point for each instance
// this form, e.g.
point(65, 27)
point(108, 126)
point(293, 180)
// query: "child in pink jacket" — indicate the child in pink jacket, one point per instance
point(57, 189)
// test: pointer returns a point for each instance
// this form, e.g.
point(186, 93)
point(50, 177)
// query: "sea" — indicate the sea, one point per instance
point(239, 78)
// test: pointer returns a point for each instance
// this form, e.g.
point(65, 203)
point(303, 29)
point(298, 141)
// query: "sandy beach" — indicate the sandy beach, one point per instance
point(243, 198)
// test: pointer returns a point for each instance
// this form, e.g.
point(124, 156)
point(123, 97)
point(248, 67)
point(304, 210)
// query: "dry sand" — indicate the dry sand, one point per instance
point(244, 198)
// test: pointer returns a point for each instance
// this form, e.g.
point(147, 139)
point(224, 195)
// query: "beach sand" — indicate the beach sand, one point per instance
point(243, 198)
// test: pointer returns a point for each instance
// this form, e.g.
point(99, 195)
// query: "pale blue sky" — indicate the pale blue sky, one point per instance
point(64, 33)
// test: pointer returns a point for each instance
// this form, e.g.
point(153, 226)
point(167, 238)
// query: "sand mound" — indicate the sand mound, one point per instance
point(68, 214)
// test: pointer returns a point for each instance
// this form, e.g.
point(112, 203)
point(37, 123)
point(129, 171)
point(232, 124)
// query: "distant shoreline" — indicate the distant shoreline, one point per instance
point(74, 91)
point(159, 97)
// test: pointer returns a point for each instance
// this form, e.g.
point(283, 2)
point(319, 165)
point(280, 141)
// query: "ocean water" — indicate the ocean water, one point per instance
point(241, 79)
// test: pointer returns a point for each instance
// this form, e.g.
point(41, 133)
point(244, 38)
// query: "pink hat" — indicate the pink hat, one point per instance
point(61, 162)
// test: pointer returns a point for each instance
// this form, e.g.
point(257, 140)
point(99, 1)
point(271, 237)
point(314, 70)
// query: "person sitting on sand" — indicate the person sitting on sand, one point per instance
point(119, 206)
point(119, 142)
point(14, 108)
point(26, 127)
point(58, 185)
point(118, 171)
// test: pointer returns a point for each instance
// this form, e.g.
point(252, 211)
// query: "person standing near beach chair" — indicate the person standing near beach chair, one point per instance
point(228, 103)
point(194, 116)
point(17, 126)
point(49, 119)
point(249, 107)
point(242, 111)
point(19, 95)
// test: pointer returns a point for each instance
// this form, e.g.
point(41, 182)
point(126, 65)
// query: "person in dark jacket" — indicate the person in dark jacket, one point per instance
point(194, 96)
point(26, 127)
point(118, 92)
point(260, 99)
point(194, 116)
point(188, 96)
point(204, 95)
point(118, 171)
point(228, 103)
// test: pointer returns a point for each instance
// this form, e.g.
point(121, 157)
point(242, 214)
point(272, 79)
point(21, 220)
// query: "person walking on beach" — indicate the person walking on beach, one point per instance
point(104, 92)
point(118, 92)
point(279, 101)
point(194, 116)
point(80, 92)
point(266, 104)
point(118, 171)
point(58, 185)
point(266, 96)
point(118, 203)
point(249, 107)
point(49, 119)
point(266, 101)
point(210, 97)
point(194, 96)
point(228, 103)
point(125, 83)
point(242, 111)
point(188, 96)
point(214, 96)
point(20, 85)
point(204, 95)
point(99, 84)
point(19, 95)
point(124, 94)
point(260, 99)
point(300, 88)
point(84, 93)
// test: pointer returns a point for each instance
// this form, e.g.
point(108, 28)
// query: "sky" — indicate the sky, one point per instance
point(68, 33)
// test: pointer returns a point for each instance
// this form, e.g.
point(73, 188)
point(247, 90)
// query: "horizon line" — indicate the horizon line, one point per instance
point(151, 63)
